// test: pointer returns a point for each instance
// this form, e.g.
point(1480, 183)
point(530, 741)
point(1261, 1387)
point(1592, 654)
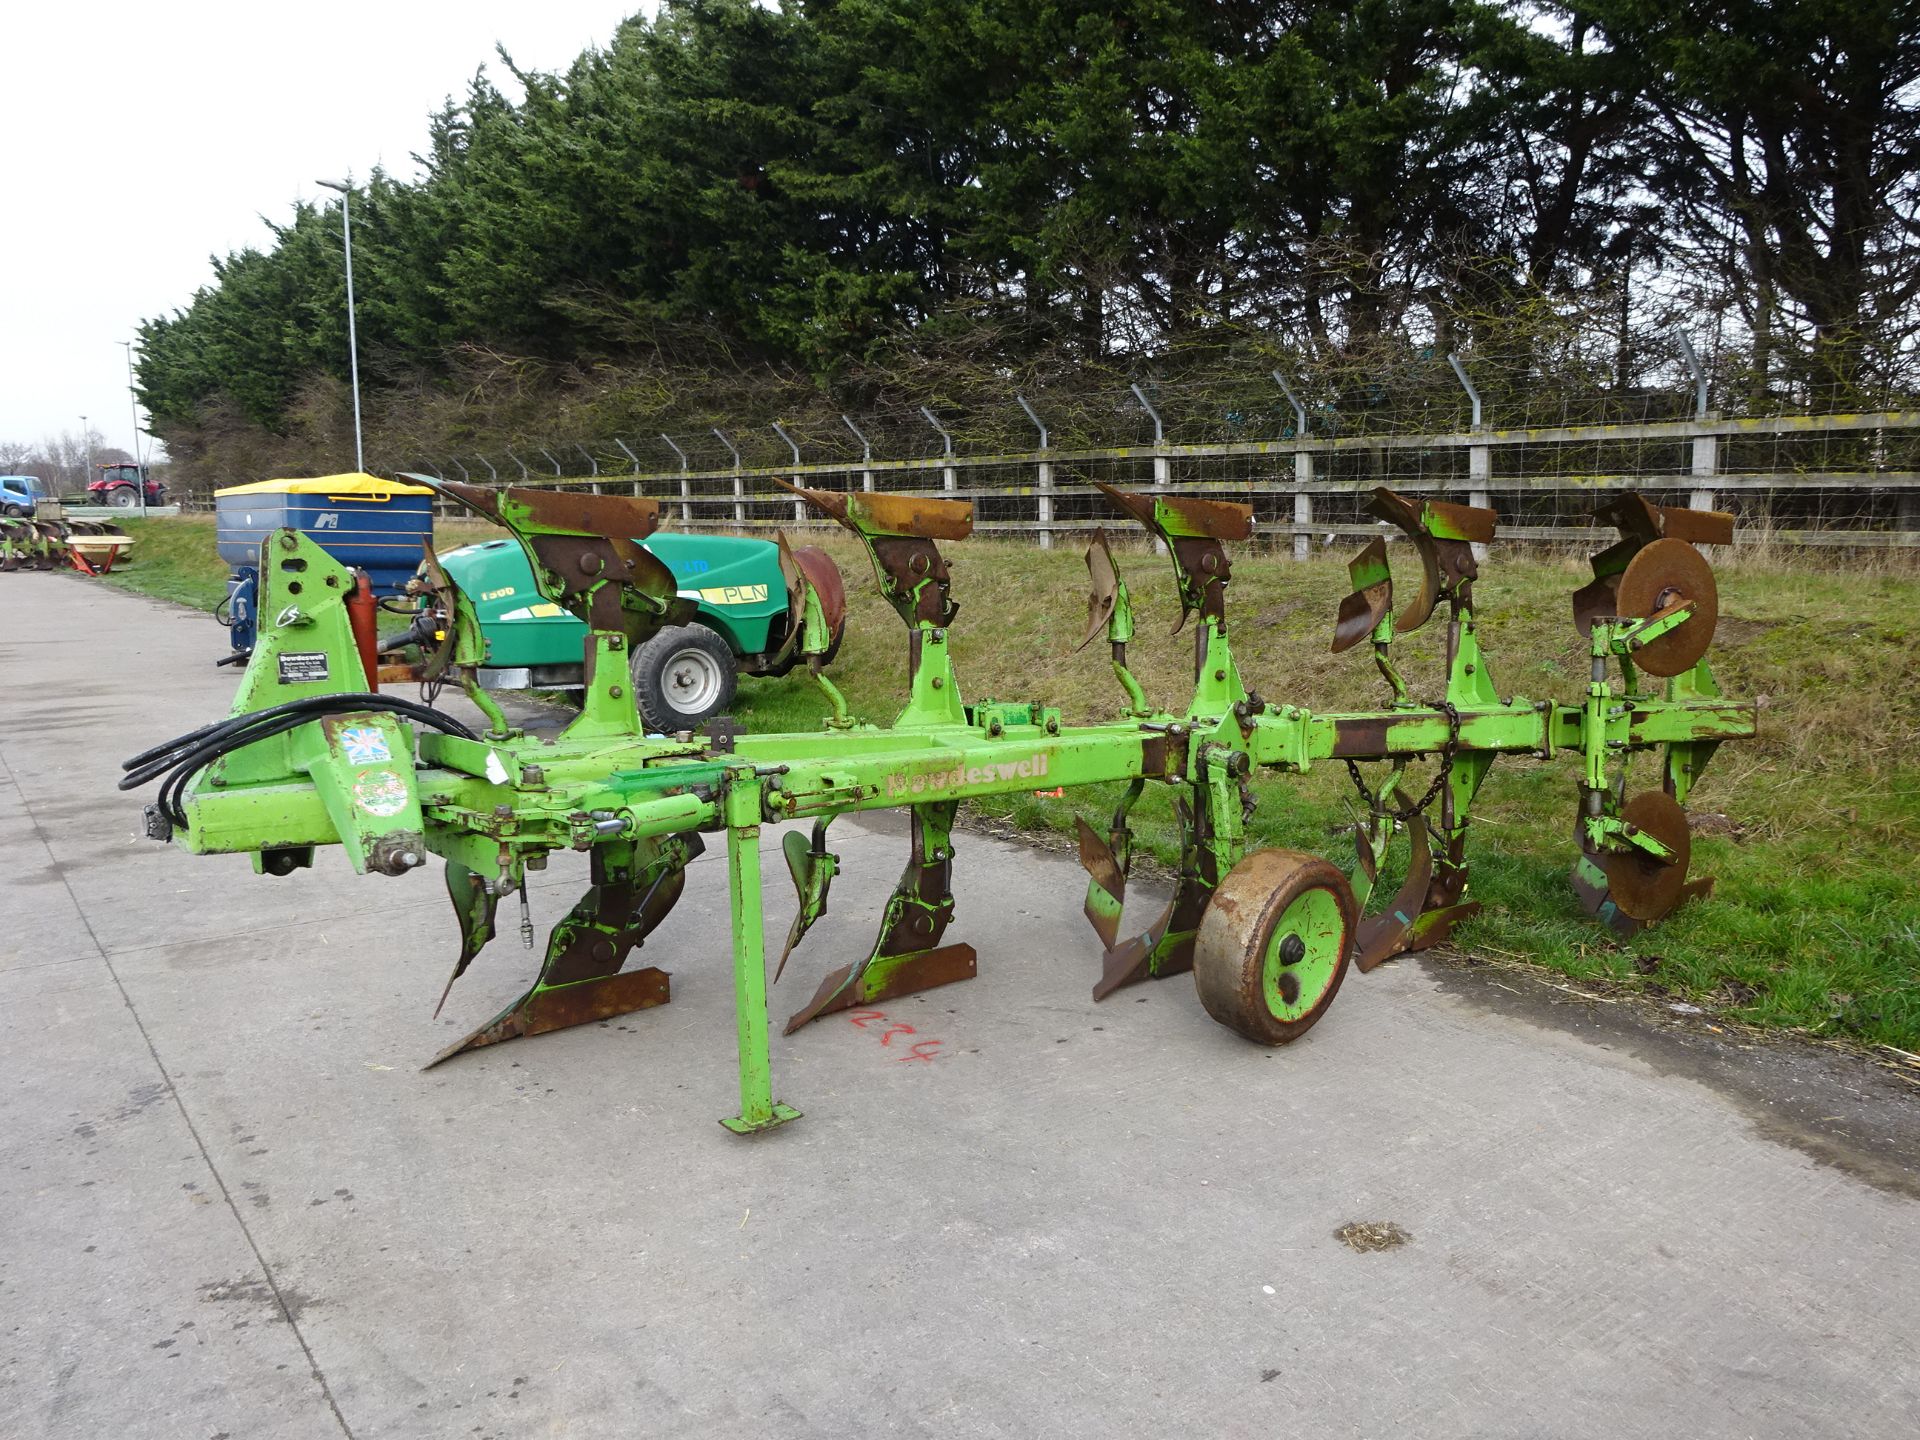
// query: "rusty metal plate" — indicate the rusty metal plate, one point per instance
point(1097, 859)
point(1170, 516)
point(1104, 588)
point(1207, 519)
point(1597, 600)
point(1382, 936)
point(1399, 511)
point(1372, 596)
point(868, 513)
point(921, 516)
point(1636, 517)
point(924, 971)
point(1664, 574)
point(563, 512)
point(830, 503)
point(1136, 507)
point(1697, 527)
point(540, 1011)
point(1472, 523)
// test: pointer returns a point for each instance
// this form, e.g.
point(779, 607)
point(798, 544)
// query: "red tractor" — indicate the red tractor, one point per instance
point(119, 485)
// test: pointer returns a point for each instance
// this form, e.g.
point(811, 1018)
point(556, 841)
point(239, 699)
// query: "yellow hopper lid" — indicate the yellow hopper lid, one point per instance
point(356, 484)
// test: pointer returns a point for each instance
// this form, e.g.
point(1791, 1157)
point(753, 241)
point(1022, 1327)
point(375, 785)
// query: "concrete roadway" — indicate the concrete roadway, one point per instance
point(231, 1205)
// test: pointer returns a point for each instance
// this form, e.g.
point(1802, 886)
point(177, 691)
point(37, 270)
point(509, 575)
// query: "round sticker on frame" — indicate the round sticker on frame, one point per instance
point(380, 792)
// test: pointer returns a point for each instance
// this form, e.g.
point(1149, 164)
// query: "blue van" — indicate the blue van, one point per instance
point(19, 494)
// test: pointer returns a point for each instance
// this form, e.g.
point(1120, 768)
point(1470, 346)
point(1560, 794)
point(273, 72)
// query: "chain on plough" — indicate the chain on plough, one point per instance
point(310, 757)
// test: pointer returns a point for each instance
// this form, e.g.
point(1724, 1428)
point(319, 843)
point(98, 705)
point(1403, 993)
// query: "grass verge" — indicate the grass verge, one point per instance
point(1812, 829)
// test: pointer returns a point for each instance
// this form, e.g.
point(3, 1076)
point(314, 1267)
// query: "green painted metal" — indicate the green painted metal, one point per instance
point(494, 807)
point(1304, 954)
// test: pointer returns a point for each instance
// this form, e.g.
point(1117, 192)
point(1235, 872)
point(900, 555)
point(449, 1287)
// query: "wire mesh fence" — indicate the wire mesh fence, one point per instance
point(1541, 438)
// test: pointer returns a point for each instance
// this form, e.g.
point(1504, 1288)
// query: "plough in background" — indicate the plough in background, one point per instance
point(48, 540)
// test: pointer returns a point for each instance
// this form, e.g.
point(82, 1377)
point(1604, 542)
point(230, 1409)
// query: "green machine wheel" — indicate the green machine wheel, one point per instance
point(1273, 945)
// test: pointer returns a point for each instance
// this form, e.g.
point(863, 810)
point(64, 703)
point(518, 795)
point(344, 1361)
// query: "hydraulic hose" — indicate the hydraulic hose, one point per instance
point(181, 758)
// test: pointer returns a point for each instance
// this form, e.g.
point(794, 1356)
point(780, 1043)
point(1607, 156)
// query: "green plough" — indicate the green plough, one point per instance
point(312, 756)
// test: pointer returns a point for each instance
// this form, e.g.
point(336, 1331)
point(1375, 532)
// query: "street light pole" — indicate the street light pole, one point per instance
point(86, 439)
point(345, 188)
point(133, 409)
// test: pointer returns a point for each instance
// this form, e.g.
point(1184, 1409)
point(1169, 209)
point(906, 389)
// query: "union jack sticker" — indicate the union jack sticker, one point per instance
point(364, 745)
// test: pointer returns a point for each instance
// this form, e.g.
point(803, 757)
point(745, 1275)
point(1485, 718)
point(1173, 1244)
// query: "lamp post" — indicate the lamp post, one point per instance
point(133, 409)
point(86, 439)
point(353, 340)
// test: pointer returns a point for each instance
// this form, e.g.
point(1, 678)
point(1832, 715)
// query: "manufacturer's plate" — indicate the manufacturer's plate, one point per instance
point(303, 667)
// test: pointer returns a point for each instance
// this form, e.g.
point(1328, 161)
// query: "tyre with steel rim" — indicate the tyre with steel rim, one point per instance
point(1273, 945)
point(683, 676)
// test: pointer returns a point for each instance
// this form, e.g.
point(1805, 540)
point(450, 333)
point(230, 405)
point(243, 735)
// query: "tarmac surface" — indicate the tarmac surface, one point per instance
point(232, 1205)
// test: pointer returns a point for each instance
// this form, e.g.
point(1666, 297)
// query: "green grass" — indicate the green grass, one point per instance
point(1815, 925)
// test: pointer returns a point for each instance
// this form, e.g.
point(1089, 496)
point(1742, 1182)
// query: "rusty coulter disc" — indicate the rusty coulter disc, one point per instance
point(1642, 886)
point(1664, 574)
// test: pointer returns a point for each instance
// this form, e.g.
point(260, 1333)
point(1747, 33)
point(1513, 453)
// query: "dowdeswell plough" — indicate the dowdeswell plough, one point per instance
point(312, 756)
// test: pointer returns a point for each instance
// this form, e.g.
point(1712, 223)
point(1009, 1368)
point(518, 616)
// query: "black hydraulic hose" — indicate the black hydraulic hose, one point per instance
point(241, 729)
point(180, 769)
point(182, 758)
point(350, 700)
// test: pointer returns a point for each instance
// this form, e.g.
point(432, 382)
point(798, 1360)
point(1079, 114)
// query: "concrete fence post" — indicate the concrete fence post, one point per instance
point(1043, 478)
point(739, 480)
point(1302, 473)
point(949, 477)
point(799, 505)
point(1162, 462)
point(1479, 457)
point(866, 453)
point(686, 485)
point(1706, 464)
point(1706, 448)
point(634, 458)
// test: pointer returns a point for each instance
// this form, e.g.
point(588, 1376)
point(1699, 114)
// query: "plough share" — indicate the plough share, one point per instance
point(312, 755)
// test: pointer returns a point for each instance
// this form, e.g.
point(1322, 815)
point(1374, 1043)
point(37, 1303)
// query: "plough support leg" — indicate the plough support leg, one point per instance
point(758, 1109)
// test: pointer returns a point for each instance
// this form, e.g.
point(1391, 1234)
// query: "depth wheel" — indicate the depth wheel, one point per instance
point(1273, 945)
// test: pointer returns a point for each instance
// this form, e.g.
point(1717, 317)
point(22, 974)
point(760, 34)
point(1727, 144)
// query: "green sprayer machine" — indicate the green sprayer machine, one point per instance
point(312, 756)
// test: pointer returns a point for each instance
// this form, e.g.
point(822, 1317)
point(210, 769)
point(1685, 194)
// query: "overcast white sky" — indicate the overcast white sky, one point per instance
point(138, 139)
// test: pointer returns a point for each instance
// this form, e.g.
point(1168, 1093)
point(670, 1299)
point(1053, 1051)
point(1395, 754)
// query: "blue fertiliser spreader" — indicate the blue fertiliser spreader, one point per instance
point(378, 525)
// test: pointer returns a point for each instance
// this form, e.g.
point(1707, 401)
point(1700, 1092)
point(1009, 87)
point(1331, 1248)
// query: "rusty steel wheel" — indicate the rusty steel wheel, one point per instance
point(1273, 945)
